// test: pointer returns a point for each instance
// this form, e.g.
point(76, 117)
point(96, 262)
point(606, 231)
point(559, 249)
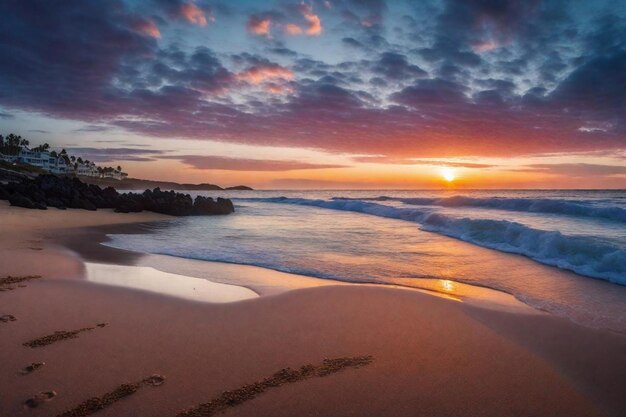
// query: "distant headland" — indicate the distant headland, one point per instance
point(18, 160)
point(141, 184)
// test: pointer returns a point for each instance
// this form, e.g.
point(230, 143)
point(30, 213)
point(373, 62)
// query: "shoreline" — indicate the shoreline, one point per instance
point(433, 345)
point(89, 244)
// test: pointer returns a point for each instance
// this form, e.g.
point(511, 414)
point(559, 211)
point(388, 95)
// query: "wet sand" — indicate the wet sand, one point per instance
point(427, 355)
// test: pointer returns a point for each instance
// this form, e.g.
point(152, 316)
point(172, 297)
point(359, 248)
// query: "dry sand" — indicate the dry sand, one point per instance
point(430, 356)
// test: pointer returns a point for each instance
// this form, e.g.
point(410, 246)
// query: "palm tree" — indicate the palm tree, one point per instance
point(42, 148)
point(12, 144)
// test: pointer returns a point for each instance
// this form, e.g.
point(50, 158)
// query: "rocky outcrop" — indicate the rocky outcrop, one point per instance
point(63, 192)
point(206, 205)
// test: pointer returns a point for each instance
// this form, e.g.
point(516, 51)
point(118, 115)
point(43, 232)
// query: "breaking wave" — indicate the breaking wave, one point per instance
point(585, 255)
point(531, 205)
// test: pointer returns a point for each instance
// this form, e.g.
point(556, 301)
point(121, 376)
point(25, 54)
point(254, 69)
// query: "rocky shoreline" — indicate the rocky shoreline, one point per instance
point(63, 192)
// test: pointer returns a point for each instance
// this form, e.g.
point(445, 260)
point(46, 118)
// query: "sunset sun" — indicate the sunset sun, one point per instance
point(448, 174)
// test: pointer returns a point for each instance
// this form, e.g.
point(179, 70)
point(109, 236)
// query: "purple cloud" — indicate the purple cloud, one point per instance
point(239, 164)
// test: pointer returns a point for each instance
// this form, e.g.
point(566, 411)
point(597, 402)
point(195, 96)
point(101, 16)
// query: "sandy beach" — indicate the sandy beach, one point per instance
point(389, 351)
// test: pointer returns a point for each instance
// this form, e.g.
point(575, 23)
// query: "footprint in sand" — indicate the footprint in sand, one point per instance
point(95, 404)
point(36, 400)
point(7, 318)
point(229, 399)
point(32, 368)
point(58, 336)
point(7, 283)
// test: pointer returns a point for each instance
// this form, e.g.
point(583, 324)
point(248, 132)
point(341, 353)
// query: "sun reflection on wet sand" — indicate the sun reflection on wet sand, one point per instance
point(472, 295)
point(447, 285)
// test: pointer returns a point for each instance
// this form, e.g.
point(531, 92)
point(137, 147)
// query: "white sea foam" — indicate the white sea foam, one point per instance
point(530, 205)
point(586, 255)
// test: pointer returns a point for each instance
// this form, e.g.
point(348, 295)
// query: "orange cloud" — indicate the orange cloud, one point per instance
point(260, 74)
point(259, 26)
point(315, 23)
point(148, 28)
point(194, 15)
point(485, 45)
point(274, 88)
point(292, 29)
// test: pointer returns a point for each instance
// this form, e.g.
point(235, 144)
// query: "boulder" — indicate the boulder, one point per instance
point(55, 202)
point(4, 193)
point(19, 200)
point(129, 203)
point(208, 206)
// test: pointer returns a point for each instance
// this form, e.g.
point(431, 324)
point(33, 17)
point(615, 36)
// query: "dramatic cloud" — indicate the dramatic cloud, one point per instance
point(314, 23)
point(367, 14)
point(114, 154)
point(259, 25)
point(274, 88)
point(395, 66)
point(267, 72)
point(236, 164)
point(194, 14)
point(292, 29)
point(432, 79)
point(379, 159)
point(579, 170)
point(148, 28)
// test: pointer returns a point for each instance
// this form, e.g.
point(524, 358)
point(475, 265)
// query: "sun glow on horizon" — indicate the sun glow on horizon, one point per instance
point(448, 174)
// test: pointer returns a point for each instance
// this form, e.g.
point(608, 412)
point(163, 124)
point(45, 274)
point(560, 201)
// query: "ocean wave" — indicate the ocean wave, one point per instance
point(585, 255)
point(530, 205)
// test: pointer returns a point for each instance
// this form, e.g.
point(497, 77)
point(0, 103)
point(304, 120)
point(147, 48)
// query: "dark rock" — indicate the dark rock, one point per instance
point(19, 200)
point(226, 205)
point(55, 202)
point(4, 193)
point(208, 206)
point(62, 192)
point(129, 203)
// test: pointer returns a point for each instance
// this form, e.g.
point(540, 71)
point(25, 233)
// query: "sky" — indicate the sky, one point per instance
point(325, 94)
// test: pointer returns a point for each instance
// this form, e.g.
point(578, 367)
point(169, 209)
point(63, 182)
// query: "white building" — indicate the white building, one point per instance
point(113, 173)
point(39, 159)
point(61, 164)
point(87, 169)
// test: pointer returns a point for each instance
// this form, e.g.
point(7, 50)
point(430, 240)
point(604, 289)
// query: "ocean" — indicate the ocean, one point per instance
point(563, 252)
